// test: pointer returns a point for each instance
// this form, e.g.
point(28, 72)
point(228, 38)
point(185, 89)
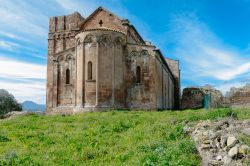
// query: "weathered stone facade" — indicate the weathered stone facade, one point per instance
point(239, 97)
point(103, 62)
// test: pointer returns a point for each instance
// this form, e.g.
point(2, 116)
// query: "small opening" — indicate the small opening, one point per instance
point(89, 70)
point(138, 74)
point(67, 76)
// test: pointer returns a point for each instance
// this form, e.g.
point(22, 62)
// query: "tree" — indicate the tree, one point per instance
point(8, 103)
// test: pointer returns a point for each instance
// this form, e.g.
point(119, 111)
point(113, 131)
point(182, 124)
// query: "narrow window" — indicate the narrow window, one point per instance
point(138, 74)
point(67, 76)
point(89, 70)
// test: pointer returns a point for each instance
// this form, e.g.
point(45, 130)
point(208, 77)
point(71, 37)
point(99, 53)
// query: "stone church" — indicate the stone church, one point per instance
point(102, 62)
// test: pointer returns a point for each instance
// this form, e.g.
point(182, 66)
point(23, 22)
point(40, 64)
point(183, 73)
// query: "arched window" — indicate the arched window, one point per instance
point(138, 74)
point(89, 70)
point(67, 76)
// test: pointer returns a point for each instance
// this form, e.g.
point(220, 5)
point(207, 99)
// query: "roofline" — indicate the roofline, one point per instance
point(164, 61)
point(102, 8)
point(132, 26)
point(93, 13)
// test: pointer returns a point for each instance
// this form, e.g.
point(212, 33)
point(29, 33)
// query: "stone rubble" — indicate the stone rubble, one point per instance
point(14, 114)
point(218, 142)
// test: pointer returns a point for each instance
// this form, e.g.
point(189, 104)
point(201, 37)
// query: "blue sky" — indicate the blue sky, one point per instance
point(210, 38)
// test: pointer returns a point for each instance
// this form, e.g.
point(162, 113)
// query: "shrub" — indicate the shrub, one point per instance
point(8, 103)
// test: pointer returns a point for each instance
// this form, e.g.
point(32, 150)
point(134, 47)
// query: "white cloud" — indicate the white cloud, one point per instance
point(23, 19)
point(225, 87)
point(17, 69)
point(10, 46)
point(32, 90)
point(84, 7)
point(202, 53)
point(21, 79)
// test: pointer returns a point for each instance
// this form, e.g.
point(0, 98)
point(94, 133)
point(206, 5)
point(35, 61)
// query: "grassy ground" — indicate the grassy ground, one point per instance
point(104, 138)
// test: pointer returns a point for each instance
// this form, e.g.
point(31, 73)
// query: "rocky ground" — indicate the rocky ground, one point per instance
point(14, 114)
point(220, 142)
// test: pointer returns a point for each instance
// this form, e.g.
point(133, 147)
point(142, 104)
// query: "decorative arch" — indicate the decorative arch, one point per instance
point(134, 54)
point(105, 40)
point(119, 41)
point(144, 53)
point(69, 57)
point(89, 39)
point(60, 58)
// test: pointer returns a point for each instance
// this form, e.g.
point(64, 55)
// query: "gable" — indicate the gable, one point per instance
point(108, 19)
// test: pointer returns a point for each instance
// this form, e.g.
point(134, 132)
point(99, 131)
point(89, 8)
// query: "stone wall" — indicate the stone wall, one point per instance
point(104, 49)
point(175, 69)
point(193, 97)
point(239, 97)
point(61, 37)
point(102, 62)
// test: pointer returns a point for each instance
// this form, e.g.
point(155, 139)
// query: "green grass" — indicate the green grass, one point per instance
point(104, 138)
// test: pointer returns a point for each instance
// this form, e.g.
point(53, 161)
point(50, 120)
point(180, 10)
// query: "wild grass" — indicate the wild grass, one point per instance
point(104, 138)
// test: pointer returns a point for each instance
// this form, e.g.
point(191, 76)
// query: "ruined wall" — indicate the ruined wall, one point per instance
point(239, 97)
point(193, 97)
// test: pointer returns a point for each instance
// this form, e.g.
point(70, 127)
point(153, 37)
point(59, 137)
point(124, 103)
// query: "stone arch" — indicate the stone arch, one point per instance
point(69, 57)
point(134, 54)
point(89, 39)
point(60, 58)
point(119, 41)
point(144, 53)
point(105, 40)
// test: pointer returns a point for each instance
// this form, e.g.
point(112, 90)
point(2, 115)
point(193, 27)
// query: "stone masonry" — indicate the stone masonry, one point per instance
point(102, 62)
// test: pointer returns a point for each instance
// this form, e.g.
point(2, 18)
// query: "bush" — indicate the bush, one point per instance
point(8, 103)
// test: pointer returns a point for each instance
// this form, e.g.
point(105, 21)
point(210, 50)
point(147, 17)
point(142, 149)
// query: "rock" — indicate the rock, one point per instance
point(246, 131)
point(214, 135)
point(206, 141)
point(215, 163)
point(223, 141)
point(219, 158)
point(187, 129)
point(233, 152)
point(174, 121)
point(231, 141)
point(14, 114)
point(227, 160)
point(205, 146)
point(244, 149)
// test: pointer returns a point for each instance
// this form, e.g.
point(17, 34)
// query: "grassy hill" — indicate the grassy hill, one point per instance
point(104, 138)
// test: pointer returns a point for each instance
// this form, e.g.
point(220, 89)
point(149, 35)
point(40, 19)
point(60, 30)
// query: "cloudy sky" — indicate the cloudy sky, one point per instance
point(211, 38)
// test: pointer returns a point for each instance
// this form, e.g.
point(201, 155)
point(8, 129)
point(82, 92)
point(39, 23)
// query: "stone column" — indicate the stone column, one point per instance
point(113, 77)
point(55, 83)
point(79, 73)
point(49, 95)
point(97, 74)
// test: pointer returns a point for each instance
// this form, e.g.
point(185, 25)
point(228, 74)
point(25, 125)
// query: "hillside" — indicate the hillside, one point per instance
point(104, 138)
point(32, 106)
